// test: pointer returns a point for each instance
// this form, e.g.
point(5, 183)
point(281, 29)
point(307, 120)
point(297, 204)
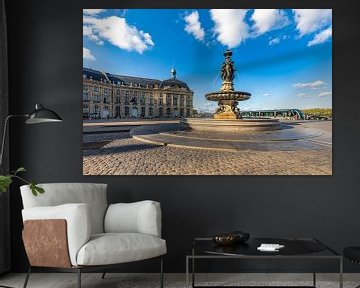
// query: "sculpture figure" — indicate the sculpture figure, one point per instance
point(227, 68)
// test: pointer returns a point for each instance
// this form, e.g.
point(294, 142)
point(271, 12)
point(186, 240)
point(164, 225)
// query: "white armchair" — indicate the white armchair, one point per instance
point(72, 228)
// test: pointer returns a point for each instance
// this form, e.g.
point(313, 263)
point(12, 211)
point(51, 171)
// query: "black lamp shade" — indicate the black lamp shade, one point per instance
point(42, 115)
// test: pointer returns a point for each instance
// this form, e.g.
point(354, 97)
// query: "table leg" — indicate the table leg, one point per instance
point(314, 271)
point(187, 272)
point(341, 273)
point(193, 272)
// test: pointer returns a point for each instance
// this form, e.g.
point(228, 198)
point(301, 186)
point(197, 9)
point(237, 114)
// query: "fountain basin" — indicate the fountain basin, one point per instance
point(228, 95)
point(236, 125)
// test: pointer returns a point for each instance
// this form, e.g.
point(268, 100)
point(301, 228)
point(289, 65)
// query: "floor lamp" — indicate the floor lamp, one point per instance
point(39, 115)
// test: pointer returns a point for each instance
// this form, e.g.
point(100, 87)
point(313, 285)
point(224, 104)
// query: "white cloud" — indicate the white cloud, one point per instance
point(115, 30)
point(193, 25)
point(230, 26)
point(311, 20)
point(87, 55)
point(88, 32)
point(274, 41)
point(303, 95)
point(314, 85)
point(321, 37)
point(93, 11)
point(268, 19)
point(266, 94)
point(325, 94)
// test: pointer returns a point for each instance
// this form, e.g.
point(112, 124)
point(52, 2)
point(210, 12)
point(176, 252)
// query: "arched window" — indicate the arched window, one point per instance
point(117, 113)
point(182, 112)
point(143, 112)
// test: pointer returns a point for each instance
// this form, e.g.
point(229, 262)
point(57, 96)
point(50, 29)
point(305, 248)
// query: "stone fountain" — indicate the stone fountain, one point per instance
point(227, 97)
point(228, 118)
point(227, 131)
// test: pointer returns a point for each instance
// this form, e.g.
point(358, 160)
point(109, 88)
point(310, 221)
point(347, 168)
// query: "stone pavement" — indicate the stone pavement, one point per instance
point(127, 156)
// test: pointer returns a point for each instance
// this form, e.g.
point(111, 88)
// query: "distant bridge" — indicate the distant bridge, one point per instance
point(275, 113)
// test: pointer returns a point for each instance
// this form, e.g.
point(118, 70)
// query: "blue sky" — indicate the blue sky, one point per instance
point(283, 57)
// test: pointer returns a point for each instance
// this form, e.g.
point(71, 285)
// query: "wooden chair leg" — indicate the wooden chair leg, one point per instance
point(27, 277)
point(79, 277)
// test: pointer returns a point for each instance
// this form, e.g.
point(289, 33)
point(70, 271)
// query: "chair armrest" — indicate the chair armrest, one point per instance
point(138, 217)
point(78, 223)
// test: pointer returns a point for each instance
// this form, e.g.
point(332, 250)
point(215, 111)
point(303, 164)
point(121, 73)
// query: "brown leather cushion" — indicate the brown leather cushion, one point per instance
point(45, 243)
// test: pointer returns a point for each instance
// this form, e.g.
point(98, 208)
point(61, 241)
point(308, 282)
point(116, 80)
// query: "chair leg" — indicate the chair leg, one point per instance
point(103, 275)
point(27, 277)
point(161, 273)
point(79, 277)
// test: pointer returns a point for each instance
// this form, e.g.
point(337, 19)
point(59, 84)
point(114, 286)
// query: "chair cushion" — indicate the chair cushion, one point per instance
point(114, 248)
point(56, 194)
point(352, 253)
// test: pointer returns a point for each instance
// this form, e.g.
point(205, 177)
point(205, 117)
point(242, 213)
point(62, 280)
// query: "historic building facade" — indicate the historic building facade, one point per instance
point(107, 95)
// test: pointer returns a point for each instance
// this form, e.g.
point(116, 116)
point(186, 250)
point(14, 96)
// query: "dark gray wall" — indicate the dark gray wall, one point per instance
point(45, 48)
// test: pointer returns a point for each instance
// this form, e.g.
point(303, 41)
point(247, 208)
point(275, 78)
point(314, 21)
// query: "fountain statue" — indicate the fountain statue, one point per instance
point(227, 118)
point(227, 97)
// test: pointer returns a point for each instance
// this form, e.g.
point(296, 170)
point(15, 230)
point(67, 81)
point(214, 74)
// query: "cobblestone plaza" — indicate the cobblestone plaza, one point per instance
point(109, 149)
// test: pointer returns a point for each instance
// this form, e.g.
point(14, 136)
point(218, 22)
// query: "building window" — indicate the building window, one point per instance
point(188, 101)
point(151, 100)
point(168, 99)
point(117, 91)
point(151, 111)
point(182, 100)
point(127, 110)
point(117, 99)
point(127, 102)
point(168, 112)
point(175, 99)
point(96, 98)
point(117, 112)
point(143, 112)
point(85, 93)
point(161, 113)
point(142, 99)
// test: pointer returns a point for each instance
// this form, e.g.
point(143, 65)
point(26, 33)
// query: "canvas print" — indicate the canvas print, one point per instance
point(207, 92)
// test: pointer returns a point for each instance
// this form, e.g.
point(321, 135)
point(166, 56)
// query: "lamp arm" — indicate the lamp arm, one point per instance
point(4, 134)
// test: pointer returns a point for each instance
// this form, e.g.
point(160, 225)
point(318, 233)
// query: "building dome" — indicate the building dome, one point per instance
point(173, 82)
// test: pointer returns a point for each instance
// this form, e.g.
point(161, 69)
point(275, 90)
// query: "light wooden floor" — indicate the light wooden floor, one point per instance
point(113, 280)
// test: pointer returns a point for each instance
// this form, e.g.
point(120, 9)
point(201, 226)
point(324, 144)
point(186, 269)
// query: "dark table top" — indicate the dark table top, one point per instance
point(293, 247)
